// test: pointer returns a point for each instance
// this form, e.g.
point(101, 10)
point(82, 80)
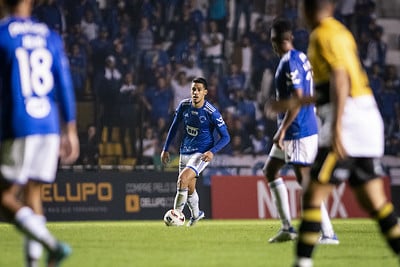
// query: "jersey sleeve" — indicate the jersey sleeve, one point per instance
point(64, 88)
point(222, 130)
point(174, 127)
point(294, 75)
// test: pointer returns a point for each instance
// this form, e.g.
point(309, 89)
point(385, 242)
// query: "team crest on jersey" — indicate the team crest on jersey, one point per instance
point(202, 119)
point(193, 131)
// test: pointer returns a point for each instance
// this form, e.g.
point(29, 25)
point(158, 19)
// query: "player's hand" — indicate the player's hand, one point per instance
point(269, 112)
point(337, 144)
point(69, 146)
point(165, 157)
point(278, 138)
point(207, 156)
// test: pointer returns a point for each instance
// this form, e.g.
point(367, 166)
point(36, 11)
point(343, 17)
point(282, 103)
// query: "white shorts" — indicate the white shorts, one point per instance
point(33, 157)
point(299, 151)
point(362, 127)
point(192, 161)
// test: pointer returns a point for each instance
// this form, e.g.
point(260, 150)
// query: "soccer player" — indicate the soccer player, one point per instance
point(200, 119)
point(34, 84)
point(296, 140)
point(352, 128)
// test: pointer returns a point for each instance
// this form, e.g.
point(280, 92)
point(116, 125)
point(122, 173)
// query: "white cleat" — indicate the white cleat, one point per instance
point(193, 221)
point(284, 235)
point(326, 240)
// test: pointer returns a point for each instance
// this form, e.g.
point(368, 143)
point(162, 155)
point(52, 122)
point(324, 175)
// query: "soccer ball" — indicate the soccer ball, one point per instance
point(174, 218)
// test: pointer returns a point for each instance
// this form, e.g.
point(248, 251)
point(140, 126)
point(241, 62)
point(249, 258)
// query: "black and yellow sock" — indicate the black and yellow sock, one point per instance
point(389, 226)
point(309, 232)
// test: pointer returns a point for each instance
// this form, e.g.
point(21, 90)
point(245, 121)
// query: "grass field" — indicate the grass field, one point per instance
point(210, 243)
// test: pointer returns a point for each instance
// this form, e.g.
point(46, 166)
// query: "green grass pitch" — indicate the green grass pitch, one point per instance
point(209, 243)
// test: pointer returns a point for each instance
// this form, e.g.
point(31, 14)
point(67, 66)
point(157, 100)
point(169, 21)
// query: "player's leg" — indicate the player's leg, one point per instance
point(193, 199)
point(314, 195)
point(16, 157)
point(193, 204)
point(328, 235)
point(310, 226)
point(372, 198)
point(279, 194)
point(24, 217)
point(40, 161)
point(33, 249)
point(198, 165)
point(182, 189)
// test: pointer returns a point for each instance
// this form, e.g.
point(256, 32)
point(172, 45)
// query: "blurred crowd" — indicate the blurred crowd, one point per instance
point(134, 61)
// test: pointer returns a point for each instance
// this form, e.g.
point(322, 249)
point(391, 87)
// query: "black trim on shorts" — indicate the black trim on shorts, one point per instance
point(357, 170)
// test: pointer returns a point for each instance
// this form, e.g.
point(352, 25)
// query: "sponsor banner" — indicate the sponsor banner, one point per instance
point(248, 197)
point(109, 195)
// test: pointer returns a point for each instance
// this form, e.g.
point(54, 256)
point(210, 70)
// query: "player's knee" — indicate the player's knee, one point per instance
point(7, 199)
point(308, 198)
point(8, 203)
point(181, 184)
point(264, 170)
point(269, 173)
point(183, 181)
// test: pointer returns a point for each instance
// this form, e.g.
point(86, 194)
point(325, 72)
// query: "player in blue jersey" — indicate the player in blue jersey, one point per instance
point(200, 119)
point(296, 139)
point(36, 93)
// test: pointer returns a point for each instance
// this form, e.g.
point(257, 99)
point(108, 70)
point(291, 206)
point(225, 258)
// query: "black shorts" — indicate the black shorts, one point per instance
point(328, 169)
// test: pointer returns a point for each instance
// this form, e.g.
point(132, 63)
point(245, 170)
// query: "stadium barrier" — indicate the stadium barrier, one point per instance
point(248, 197)
point(238, 190)
point(110, 195)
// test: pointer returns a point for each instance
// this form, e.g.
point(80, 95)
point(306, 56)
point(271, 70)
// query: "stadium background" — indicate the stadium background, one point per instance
point(161, 44)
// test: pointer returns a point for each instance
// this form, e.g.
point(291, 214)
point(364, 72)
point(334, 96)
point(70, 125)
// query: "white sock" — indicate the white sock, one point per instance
point(33, 226)
point(326, 225)
point(33, 252)
point(193, 203)
point(304, 262)
point(181, 199)
point(280, 196)
point(33, 249)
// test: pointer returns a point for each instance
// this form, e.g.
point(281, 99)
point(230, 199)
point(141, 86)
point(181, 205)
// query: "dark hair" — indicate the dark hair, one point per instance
point(315, 5)
point(200, 80)
point(281, 26)
point(12, 3)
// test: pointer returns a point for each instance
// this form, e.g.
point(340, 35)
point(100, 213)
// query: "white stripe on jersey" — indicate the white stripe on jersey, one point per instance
point(209, 108)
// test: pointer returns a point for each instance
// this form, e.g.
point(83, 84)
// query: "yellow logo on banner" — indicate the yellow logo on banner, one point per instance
point(132, 203)
point(79, 192)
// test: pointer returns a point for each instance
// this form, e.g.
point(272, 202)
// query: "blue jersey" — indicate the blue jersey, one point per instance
point(35, 81)
point(199, 125)
point(294, 73)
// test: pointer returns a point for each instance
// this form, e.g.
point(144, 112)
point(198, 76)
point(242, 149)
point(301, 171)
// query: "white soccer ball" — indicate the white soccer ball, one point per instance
point(174, 218)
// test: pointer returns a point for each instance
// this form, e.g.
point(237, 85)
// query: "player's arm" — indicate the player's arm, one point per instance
point(340, 89)
point(221, 143)
point(287, 120)
point(173, 129)
point(335, 49)
point(224, 139)
point(291, 103)
point(69, 149)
